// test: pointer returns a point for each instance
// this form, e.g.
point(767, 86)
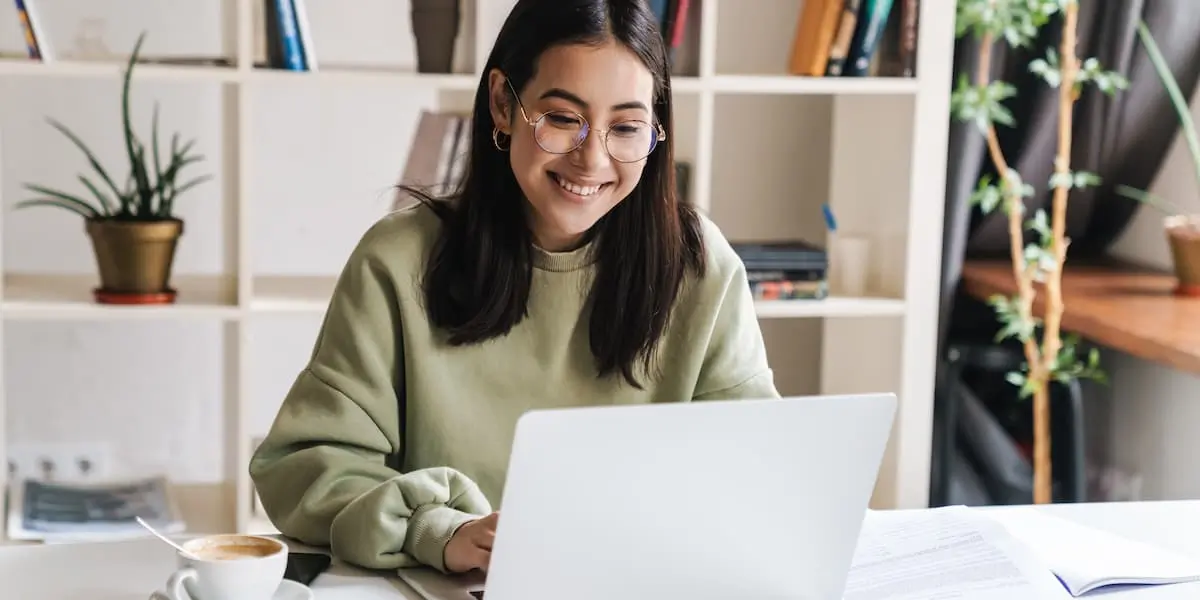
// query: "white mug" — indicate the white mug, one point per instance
point(227, 567)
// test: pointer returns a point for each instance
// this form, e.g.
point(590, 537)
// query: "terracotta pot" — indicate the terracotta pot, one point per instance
point(134, 258)
point(1183, 236)
point(435, 27)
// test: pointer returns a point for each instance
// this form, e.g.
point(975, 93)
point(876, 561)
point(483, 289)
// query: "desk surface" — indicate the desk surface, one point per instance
point(132, 569)
point(1126, 309)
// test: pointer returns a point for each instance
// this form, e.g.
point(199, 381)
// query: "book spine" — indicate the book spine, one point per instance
point(761, 275)
point(789, 290)
point(871, 22)
point(28, 28)
point(908, 37)
point(289, 37)
point(845, 34)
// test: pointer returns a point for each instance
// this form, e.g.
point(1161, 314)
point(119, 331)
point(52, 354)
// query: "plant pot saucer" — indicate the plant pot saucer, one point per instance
point(1188, 290)
point(134, 298)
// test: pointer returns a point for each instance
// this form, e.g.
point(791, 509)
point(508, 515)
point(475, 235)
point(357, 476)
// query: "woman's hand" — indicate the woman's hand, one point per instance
point(471, 546)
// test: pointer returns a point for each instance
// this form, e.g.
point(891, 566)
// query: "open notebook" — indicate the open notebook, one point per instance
point(1085, 558)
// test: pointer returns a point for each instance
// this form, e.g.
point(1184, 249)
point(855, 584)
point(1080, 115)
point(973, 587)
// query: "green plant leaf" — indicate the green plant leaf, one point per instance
point(83, 205)
point(91, 158)
point(983, 105)
point(1154, 201)
point(106, 206)
point(137, 166)
point(1015, 21)
point(1178, 101)
point(1008, 312)
point(986, 196)
point(57, 203)
point(1047, 68)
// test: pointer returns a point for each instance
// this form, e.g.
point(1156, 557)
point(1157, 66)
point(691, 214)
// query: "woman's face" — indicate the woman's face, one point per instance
point(613, 92)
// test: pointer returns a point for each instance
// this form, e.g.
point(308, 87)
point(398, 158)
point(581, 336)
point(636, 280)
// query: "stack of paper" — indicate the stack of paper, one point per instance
point(951, 552)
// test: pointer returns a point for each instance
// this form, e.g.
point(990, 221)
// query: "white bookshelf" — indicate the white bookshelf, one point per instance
point(876, 153)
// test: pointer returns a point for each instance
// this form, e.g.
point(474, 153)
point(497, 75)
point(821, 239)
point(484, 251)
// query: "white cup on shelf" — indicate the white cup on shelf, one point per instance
point(849, 262)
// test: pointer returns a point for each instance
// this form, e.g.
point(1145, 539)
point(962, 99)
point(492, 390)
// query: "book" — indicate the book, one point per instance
point(1087, 559)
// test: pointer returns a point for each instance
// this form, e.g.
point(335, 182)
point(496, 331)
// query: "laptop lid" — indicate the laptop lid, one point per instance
point(733, 499)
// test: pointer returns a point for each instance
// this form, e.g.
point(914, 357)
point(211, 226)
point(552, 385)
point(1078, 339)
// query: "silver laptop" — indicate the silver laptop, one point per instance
point(754, 499)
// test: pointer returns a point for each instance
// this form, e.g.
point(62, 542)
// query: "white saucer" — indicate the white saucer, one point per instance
point(292, 590)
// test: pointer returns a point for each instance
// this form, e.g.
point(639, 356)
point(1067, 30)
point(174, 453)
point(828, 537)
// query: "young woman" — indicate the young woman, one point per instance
point(563, 273)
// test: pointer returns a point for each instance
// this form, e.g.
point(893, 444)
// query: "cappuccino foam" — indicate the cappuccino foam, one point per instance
point(233, 548)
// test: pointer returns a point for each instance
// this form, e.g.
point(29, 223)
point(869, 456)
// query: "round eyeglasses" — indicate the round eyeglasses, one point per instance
point(564, 131)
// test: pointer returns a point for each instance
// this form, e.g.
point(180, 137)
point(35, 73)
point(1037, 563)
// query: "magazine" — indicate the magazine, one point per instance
point(51, 511)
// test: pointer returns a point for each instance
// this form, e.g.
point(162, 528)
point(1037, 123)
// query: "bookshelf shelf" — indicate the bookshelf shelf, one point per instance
point(766, 150)
point(829, 308)
point(789, 84)
point(65, 69)
point(67, 297)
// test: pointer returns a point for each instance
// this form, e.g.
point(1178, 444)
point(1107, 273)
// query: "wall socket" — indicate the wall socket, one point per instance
point(59, 461)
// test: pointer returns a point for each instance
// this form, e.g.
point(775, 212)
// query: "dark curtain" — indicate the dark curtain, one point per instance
point(1123, 139)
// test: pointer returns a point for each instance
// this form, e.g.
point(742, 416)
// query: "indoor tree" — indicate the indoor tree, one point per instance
point(1038, 262)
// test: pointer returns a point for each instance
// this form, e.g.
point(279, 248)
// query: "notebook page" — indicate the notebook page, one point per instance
point(1086, 558)
point(950, 552)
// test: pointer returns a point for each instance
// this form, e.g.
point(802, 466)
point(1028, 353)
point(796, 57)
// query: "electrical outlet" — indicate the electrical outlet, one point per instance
point(65, 461)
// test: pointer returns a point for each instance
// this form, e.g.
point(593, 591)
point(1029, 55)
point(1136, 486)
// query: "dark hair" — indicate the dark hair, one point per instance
point(478, 276)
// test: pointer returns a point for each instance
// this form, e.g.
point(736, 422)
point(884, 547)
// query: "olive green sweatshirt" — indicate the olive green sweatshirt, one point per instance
point(388, 440)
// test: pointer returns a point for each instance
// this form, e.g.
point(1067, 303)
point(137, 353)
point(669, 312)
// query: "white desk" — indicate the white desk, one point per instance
point(131, 570)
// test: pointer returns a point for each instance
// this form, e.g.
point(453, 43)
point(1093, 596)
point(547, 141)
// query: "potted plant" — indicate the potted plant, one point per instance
point(133, 229)
point(1037, 263)
point(1182, 228)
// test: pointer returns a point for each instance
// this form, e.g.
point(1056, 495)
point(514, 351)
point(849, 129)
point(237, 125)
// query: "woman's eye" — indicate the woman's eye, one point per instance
point(562, 120)
point(628, 129)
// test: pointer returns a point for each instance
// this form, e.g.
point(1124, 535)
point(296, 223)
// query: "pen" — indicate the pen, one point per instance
point(830, 222)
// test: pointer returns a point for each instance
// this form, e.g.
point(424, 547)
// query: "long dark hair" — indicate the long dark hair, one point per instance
point(477, 279)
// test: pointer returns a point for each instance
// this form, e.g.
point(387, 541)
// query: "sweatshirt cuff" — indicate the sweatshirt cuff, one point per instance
point(430, 528)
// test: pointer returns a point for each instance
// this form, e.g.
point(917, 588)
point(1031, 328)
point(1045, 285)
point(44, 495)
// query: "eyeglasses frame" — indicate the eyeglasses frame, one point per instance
point(661, 137)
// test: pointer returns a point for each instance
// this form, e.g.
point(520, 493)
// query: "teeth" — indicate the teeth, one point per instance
point(577, 189)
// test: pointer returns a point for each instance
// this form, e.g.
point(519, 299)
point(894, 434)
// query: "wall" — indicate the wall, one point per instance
point(1150, 415)
point(151, 391)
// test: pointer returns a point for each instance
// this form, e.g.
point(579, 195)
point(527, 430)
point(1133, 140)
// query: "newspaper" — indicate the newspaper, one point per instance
point(52, 511)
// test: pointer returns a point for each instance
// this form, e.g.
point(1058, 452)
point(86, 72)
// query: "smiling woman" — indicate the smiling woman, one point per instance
point(563, 272)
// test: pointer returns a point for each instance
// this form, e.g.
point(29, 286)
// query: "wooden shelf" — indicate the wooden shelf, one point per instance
point(1118, 306)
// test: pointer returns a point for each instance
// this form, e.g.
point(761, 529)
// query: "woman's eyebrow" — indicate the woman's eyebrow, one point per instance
point(576, 100)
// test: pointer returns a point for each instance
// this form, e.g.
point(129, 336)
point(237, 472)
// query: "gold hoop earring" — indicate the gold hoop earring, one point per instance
point(496, 133)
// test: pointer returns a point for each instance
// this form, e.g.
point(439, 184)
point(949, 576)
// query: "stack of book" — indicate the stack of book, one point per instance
point(785, 270)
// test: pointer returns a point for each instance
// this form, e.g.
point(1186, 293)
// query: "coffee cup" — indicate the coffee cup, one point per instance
point(227, 567)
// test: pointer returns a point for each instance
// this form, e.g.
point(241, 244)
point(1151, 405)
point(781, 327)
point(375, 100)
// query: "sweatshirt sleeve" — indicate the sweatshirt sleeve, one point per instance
point(735, 363)
point(321, 472)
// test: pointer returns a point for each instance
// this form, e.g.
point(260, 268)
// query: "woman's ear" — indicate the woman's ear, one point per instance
point(498, 101)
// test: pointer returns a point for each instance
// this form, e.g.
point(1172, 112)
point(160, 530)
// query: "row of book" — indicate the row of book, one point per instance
point(856, 38)
point(786, 270)
point(287, 43)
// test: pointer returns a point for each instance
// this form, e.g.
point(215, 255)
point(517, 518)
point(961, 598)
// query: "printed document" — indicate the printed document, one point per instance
point(1086, 558)
point(950, 553)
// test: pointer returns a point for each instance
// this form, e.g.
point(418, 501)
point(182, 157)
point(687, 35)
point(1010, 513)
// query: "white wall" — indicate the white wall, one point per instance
point(323, 160)
point(1148, 417)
